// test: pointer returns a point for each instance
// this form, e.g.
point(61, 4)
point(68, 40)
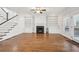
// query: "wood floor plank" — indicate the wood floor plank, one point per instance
point(38, 43)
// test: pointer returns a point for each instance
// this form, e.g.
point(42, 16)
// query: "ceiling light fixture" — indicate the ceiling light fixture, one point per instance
point(38, 10)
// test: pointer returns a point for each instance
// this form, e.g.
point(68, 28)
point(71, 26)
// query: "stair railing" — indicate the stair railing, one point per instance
point(7, 17)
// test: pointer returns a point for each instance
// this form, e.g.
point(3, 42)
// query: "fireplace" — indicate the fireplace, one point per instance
point(40, 29)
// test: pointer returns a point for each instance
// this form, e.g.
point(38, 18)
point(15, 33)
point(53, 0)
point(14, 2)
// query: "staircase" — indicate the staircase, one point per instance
point(6, 24)
point(6, 28)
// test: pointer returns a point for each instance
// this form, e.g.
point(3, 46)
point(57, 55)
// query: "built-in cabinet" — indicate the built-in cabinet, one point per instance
point(52, 23)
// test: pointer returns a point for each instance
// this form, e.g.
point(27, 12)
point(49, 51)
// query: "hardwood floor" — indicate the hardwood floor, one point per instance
point(38, 43)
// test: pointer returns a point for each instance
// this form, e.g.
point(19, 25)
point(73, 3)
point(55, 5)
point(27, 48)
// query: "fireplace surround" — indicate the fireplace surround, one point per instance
point(40, 29)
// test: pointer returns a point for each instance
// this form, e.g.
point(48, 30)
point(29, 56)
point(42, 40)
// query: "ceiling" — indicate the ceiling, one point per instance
point(27, 10)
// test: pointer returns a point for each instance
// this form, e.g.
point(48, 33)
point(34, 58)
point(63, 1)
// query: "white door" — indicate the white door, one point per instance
point(28, 24)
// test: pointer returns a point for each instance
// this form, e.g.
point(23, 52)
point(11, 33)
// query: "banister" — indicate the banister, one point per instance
point(12, 17)
point(7, 19)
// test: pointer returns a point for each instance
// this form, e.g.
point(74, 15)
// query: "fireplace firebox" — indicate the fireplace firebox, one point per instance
point(40, 29)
